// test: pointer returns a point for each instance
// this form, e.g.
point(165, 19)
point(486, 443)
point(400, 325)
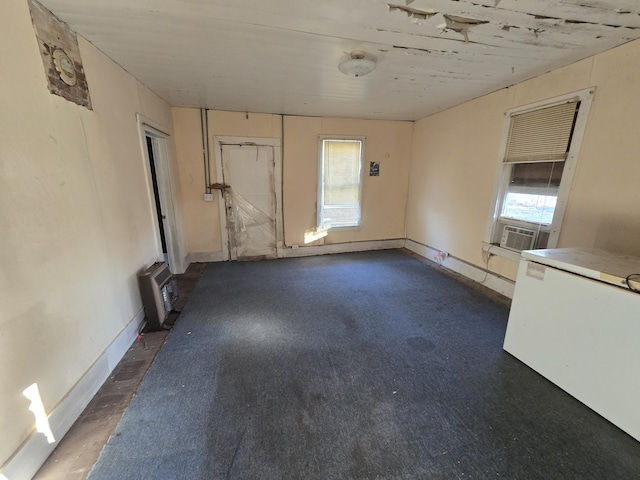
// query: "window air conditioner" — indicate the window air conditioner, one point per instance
point(518, 239)
point(159, 293)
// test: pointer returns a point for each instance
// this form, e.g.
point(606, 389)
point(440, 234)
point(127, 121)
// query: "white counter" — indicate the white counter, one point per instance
point(574, 321)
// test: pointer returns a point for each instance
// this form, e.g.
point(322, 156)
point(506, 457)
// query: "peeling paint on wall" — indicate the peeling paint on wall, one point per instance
point(60, 56)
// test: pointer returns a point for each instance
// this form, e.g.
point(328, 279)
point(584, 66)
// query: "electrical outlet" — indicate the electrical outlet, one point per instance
point(441, 256)
point(208, 197)
point(295, 247)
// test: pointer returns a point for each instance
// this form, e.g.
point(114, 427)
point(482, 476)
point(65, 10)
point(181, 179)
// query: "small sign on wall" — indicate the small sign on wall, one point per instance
point(374, 169)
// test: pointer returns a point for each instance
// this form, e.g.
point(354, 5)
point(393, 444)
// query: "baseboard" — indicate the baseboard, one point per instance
point(289, 252)
point(205, 257)
point(25, 463)
point(490, 280)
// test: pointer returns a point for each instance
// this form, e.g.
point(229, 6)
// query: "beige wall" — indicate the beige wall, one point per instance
point(603, 208)
point(455, 156)
point(78, 218)
point(77, 221)
point(202, 219)
point(384, 197)
point(452, 175)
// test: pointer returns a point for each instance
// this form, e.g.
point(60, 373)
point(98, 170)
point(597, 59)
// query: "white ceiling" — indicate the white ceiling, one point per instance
point(282, 56)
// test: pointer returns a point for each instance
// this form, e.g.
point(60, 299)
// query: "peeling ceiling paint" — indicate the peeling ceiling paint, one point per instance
point(461, 25)
point(413, 12)
point(282, 56)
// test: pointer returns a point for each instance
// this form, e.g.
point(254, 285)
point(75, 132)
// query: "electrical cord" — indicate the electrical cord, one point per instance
point(630, 278)
point(487, 256)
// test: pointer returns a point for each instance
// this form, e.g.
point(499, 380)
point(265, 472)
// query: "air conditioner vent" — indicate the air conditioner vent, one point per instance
point(517, 238)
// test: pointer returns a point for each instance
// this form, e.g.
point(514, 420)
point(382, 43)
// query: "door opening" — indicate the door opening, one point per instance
point(156, 193)
point(154, 144)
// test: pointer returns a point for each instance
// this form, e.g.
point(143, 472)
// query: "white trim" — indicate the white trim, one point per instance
point(342, 248)
point(186, 261)
point(222, 210)
point(274, 143)
point(164, 177)
point(586, 98)
point(35, 450)
point(151, 126)
point(206, 257)
point(490, 280)
point(320, 194)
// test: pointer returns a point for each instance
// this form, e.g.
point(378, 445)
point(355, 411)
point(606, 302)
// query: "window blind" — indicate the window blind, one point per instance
point(340, 183)
point(341, 172)
point(541, 135)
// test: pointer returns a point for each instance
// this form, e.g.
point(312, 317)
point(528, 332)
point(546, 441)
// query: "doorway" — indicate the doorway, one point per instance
point(155, 149)
point(251, 221)
point(151, 155)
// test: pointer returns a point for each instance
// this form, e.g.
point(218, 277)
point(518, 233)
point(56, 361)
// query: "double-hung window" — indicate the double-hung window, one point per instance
point(539, 153)
point(340, 182)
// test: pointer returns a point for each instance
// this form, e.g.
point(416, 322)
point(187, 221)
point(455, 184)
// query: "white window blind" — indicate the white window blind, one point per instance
point(341, 182)
point(541, 135)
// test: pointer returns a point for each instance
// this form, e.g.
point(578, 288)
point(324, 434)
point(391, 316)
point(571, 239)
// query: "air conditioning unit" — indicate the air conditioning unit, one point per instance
point(159, 293)
point(517, 238)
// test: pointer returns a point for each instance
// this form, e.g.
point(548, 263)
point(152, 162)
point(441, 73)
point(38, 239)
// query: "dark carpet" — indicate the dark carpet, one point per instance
point(357, 366)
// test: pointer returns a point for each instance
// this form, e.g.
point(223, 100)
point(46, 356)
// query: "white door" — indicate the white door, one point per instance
point(250, 200)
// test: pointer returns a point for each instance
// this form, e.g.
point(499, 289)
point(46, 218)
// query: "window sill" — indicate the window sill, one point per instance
point(500, 251)
point(341, 228)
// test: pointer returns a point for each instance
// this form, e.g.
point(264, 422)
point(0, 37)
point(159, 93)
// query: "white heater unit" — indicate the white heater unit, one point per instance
point(159, 293)
point(517, 238)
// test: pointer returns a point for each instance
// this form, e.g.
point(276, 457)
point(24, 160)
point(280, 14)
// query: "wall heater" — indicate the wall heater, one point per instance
point(159, 293)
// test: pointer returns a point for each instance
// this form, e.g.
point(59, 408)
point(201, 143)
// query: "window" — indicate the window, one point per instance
point(339, 202)
point(540, 148)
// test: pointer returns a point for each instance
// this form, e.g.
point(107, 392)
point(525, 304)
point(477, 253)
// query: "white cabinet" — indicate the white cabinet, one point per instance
point(575, 322)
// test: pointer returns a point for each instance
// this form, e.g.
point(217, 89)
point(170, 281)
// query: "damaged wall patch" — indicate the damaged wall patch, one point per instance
point(60, 56)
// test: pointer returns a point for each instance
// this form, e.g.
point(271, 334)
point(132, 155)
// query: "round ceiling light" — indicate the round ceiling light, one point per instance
point(357, 65)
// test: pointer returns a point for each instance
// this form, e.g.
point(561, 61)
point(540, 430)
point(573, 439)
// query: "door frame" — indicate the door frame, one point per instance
point(274, 143)
point(162, 162)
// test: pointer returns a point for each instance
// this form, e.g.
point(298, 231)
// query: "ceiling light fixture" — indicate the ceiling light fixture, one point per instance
point(357, 65)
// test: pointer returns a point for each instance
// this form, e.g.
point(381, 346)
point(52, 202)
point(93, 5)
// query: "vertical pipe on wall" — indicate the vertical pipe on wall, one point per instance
point(284, 226)
point(208, 154)
point(205, 153)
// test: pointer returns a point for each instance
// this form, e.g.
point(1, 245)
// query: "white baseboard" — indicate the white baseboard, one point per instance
point(25, 463)
point(205, 257)
point(289, 252)
point(305, 251)
point(491, 280)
